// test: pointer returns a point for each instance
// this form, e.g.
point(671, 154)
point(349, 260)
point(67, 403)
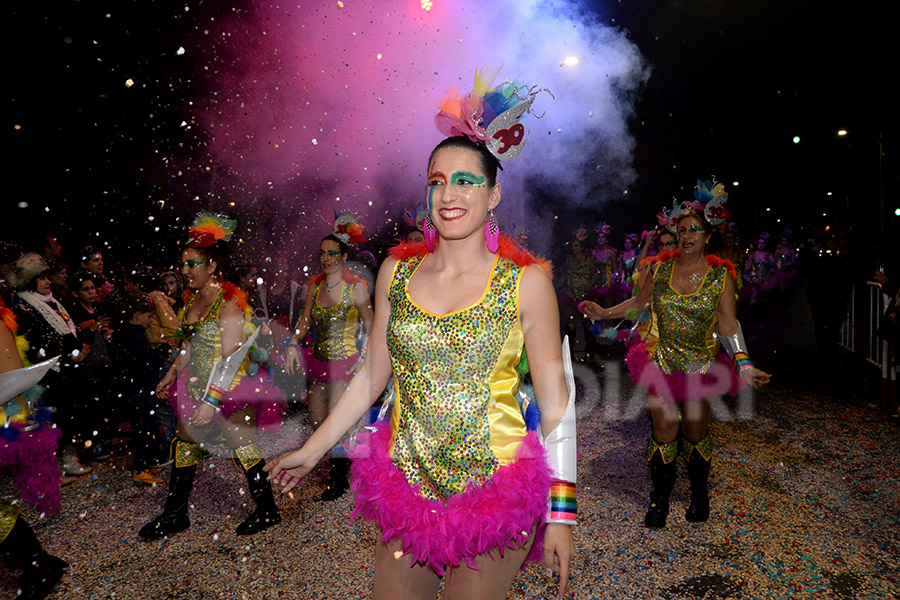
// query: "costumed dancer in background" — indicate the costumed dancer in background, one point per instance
point(336, 303)
point(415, 225)
point(458, 483)
point(28, 449)
point(761, 267)
point(628, 264)
point(215, 383)
point(691, 296)
point(579, 276)
point(606, 261)
point(785, 261)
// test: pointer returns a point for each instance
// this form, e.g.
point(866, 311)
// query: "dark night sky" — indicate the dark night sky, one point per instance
point(731, 83)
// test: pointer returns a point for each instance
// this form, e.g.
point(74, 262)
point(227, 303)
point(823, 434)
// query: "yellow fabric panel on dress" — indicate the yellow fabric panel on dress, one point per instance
point(206, 348)
point(335, 326)
point(455, 419)
point(686, 322)
point(8, 516)
point(504, 416)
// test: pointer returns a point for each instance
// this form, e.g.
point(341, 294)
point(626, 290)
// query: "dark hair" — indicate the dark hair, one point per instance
point(144, 276)
point(345, 249)
point(56, 266)
point(87, 252)
point(76, 281)
point(31, 285)
point(239, 270)
point(136, 305)
point(489, 163)
point(217, 253)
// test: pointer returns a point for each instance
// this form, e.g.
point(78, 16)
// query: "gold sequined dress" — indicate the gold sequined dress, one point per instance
point(457, 473)
point(251, 385)
point(335, 328)
point(680, 347)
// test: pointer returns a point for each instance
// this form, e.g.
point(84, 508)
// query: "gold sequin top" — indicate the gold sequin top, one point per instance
point(682, 325)
point(335, 326)
point(579, 277)
point(205, 337)
point(455, 419)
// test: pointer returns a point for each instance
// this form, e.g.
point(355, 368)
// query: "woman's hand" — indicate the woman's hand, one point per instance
point(80, 355)
point(755, 378)
point(162, 388)
point(592, 310)
point(558, 552)
point(291, 360)
point(288, 469)
point(203, 415)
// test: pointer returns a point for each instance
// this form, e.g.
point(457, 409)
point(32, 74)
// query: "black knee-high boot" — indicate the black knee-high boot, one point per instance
point(698, 457)
point(175, 514)
point(662, 475)
point(337, 479)
point(249, 460)
point(22, 550)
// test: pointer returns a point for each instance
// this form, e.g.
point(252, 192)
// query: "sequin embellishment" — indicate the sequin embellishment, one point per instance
point(443, 419)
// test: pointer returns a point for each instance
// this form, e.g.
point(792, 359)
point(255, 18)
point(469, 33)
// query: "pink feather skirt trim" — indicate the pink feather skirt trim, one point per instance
point(32, 461)
point(328, 371)
point(500, 514)
point(676, 387)
point(257, 390)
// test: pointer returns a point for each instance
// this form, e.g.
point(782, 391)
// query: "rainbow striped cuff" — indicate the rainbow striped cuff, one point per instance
point(563, 506)
point(214, 396)
point(741, 361)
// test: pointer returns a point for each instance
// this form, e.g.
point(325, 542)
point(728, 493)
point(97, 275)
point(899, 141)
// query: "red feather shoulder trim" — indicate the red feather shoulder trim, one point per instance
point(8, 317)
point(711, 259)
point(660, 258)
point(715, 261)
point(233, 292)
point(346, 274)
point(508, 249)
point(408, 250)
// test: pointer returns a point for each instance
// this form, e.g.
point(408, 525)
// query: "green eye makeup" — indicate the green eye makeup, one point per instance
point(330, 253)
point(466, 177)
point(193, 264)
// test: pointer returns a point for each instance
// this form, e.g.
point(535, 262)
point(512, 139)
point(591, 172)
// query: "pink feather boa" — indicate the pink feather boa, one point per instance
point(497, 515)
point(257, 390)
point(676, 387)
point(32, 461)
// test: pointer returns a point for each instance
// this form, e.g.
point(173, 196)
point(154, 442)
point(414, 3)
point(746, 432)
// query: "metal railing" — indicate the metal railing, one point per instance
point(864, 310)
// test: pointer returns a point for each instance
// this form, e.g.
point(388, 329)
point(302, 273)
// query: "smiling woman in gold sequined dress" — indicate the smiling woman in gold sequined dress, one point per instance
point(458, 481)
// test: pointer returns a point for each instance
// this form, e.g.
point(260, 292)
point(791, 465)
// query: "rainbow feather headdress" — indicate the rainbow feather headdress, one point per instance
point(489, 115)
point(347, 228)
point(709, 198)
point(207, 229)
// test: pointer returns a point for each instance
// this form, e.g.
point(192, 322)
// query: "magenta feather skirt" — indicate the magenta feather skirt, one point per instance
point(676, 387)
point(257, 390)
point(500, 514)
point(328, 371)
point(32, 461)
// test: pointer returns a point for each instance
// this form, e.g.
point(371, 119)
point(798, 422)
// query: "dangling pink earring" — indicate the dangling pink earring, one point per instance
point(492, 233)
point(430, 232)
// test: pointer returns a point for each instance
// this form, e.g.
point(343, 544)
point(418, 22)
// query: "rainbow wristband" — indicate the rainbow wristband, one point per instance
point(742, 362)
point(563, 505)
point(214, 396)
